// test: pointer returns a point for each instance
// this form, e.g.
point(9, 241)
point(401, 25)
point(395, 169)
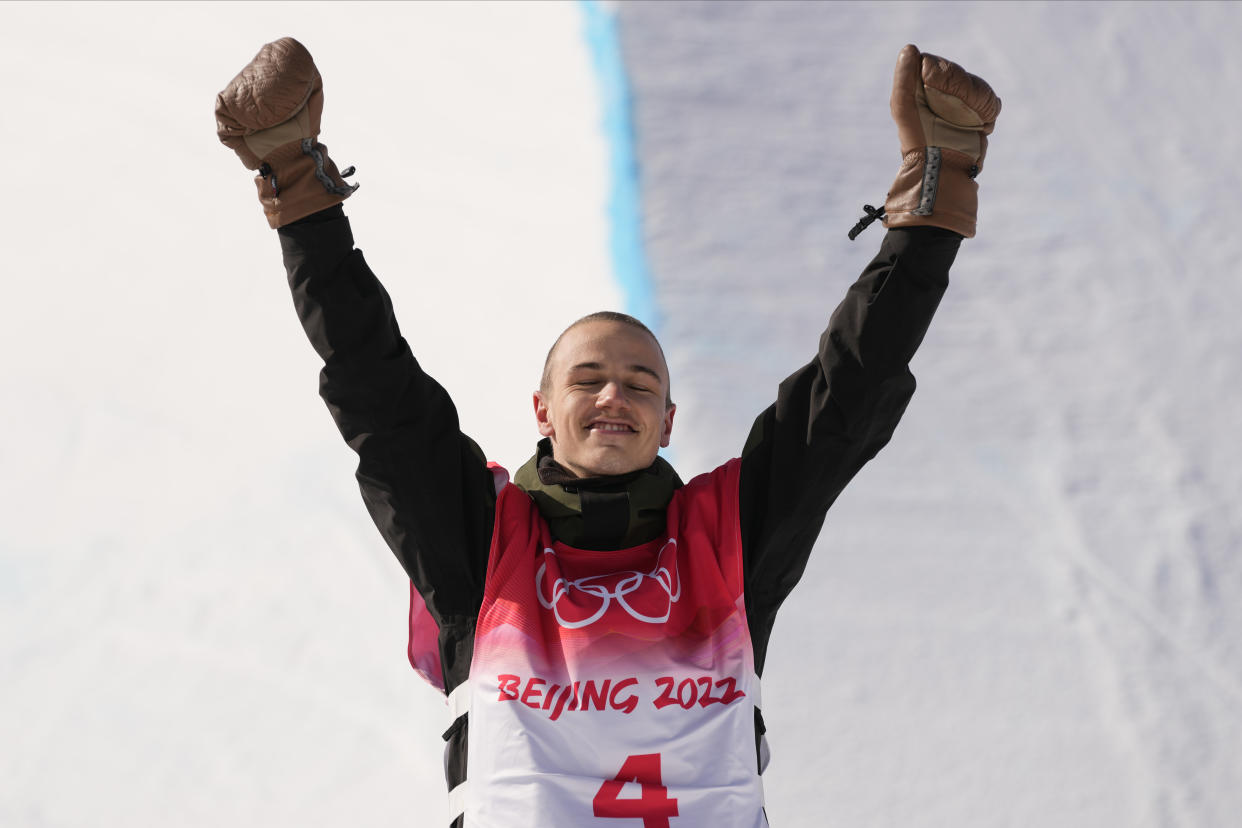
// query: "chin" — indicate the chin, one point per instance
point(612, 466)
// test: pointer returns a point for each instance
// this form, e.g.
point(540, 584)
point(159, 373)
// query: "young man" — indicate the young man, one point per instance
point(597, 622)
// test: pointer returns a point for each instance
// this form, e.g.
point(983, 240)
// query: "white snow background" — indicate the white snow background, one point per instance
point(1026, 612)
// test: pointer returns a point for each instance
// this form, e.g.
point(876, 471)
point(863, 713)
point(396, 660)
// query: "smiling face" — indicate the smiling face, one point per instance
point(604, 399)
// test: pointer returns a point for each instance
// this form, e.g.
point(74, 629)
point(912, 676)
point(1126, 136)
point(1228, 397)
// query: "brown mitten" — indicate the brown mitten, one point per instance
point(269, 115)
point(944, 115)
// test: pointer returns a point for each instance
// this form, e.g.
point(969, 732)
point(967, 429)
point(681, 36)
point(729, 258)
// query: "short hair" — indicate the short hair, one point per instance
point(607, 316)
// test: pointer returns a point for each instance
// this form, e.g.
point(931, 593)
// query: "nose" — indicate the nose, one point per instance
point(612, 395)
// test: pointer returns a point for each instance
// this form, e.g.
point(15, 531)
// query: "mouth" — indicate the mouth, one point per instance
point(611, 428)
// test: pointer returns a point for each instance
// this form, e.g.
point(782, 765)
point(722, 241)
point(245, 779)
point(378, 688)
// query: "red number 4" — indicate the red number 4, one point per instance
point(653, 808)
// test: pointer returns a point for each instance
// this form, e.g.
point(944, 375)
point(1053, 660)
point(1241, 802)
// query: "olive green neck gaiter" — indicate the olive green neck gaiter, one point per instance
point(604, 513)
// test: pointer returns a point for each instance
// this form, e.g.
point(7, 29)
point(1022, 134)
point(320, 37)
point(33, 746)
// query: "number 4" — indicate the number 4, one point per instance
point(653, 808)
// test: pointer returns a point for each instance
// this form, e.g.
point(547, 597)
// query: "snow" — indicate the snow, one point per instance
point(198, 623)
point(1026, 611)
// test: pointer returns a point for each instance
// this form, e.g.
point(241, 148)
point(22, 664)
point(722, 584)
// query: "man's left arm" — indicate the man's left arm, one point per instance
point(839, 410)
point(835, 413)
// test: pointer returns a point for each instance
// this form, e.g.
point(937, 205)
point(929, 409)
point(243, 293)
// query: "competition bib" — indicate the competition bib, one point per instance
point(615, 688)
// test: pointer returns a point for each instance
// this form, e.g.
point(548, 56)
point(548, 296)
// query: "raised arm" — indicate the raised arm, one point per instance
point(834, 414)
point(425, 483)
point(839, 410)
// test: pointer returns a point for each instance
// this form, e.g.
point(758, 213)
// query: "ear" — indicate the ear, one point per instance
point(542, 418)
point(667, 434)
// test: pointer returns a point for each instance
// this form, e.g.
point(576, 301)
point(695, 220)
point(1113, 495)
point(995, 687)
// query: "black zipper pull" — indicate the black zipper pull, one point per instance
point(865, 221)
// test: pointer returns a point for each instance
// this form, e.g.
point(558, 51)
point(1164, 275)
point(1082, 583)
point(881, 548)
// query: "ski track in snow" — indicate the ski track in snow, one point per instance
point(1080, 381)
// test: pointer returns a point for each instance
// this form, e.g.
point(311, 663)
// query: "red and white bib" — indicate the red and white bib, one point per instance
point(615, 688)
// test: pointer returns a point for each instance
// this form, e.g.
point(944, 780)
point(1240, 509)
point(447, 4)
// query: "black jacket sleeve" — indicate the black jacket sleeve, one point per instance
point(834, 414)
point(425, 483)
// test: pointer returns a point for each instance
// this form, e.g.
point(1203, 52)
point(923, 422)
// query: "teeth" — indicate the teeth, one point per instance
point(610, 427)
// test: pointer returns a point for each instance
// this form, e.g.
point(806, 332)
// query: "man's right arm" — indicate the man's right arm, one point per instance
point(426, 485)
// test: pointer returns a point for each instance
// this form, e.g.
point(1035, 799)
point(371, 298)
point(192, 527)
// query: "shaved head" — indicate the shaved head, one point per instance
point(606, 316)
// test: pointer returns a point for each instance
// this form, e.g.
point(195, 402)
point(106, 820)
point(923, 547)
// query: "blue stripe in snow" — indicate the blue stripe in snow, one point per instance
point(625, 238)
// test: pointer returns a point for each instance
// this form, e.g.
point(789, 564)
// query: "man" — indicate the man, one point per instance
point(597, 622)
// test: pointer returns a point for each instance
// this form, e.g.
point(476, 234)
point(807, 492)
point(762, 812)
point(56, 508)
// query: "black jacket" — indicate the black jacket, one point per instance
point(429, 491)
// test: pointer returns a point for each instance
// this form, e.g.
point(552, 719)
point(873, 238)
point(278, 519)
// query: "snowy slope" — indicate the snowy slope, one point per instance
point(1026, 612)
point(199, 625)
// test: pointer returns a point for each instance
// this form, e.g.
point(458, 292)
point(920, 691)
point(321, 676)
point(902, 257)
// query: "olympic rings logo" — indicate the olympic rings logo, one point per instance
point(611, 586)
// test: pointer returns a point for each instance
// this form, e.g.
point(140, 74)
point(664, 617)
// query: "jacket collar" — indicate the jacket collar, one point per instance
point(604, 513)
